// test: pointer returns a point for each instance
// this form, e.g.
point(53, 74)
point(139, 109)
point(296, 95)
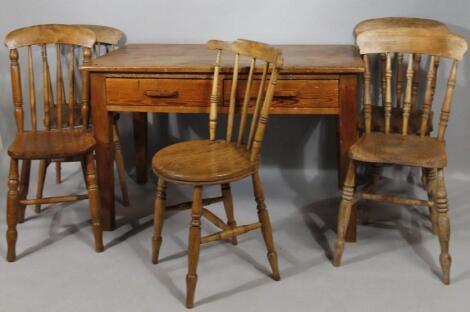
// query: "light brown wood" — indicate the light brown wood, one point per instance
point(63, 142)
point(206, 162)
point(408, 148)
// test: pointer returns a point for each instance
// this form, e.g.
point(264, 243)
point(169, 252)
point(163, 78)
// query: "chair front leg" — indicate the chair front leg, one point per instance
point(158, 219)
point(266, 228)
point(443, 228)
point(12, 210)
point(94, 202)
point(194, 246)
point(228, 206)
point(344, 212)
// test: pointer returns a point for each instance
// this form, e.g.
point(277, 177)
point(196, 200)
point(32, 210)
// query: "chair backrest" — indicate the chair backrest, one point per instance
point(58, 108)
point(272, 61)
point(410, 41)
point(408, 22)
point(107, 38)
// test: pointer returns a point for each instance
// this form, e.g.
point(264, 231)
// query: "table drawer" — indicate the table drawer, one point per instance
point(292, 93)
point(160, 92)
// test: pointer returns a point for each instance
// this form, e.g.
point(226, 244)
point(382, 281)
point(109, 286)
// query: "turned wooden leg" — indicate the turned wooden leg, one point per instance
point(194, 246)
point(345, 211)
point(158, 218)
point(228, 206)
point(58, 172)
point(430, 185)
point(24, 188)
point(119, 158)
point(43, 164)
point(443, 228)
point(12, 210)
point(374, 176)
point(94, 202)
point(266, 229)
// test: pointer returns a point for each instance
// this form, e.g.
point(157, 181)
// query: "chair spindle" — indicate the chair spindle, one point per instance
point(408, 94)
point(444, 118)
point(367, 95)
point(233, 97)
point(428, 95)
point(259, 99)
point(246, 100)
point(32, 89)
point(60, 94)
point(214, 98)
point(399, 87)
point(388, 92)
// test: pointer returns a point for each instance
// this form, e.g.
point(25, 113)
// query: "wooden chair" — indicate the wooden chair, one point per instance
point(64, 136)
point(405, 148)
point(378, 120)
point(107, 39)
point(208, 162)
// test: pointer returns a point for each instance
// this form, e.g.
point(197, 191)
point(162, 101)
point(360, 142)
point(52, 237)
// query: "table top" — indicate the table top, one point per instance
point(195, 58)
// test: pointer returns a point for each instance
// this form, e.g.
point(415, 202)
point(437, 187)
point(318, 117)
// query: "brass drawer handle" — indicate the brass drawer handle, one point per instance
point(161, 94)
point(285, 94)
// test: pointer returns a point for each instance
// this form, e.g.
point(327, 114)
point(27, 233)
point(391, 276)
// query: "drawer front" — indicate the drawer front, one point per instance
point(160, 92)
point(292, 93)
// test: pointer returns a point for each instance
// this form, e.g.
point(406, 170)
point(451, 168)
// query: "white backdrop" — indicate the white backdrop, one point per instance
point(275, 21)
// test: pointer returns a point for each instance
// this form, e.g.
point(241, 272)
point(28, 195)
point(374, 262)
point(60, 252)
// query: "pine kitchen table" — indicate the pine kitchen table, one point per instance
point(176, 78)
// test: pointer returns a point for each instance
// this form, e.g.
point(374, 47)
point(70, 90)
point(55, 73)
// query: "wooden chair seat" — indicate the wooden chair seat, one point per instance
point(396, 121)
point(377, 147)
point(204, 162)
point(65, 143)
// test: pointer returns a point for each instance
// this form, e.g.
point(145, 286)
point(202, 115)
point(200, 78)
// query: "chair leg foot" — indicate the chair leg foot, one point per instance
point(191, 281)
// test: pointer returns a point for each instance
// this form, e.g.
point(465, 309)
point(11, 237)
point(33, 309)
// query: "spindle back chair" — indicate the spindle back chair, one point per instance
point(107, 40)
point(62, 134)
point(405, 148)
point(221, 161)
point(377, 113)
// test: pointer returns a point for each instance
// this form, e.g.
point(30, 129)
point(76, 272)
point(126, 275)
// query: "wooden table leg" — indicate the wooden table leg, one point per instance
point(347, 123)
point(140, 145)
point(102, 126)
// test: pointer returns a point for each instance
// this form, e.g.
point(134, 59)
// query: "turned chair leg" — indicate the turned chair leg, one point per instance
point(266, 229)
point(24, 188)
point(228, 206)
point(58, 172)
point(43, 164)
point(430, 186)
point(119, 158)
point(443, 228)
point(12, 210)
point(344, 212)
point(158, 218)
point(94, 202)
point(374, 176)
point(194, 246)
